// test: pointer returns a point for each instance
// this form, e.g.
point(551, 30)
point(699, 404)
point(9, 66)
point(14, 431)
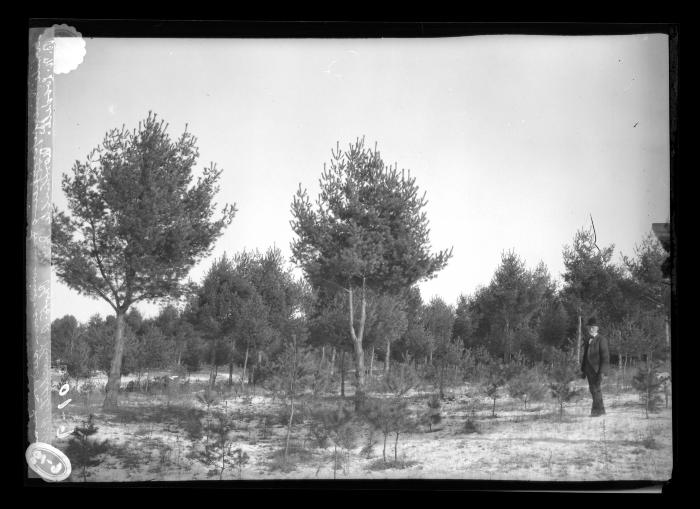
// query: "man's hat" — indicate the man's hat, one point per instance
point(592, 322)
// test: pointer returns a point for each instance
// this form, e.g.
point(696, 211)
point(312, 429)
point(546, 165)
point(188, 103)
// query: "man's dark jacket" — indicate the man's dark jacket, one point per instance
point(597, 352)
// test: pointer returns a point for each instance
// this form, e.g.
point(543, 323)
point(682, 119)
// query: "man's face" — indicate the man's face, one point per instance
point(593, 330)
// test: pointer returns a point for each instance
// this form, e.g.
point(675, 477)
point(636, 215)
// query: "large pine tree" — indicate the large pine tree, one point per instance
point(137, 223)
point(590, 278)
point(368, 230)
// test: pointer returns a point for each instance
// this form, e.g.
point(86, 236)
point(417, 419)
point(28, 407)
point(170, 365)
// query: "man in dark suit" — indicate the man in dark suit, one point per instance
point(595, 364)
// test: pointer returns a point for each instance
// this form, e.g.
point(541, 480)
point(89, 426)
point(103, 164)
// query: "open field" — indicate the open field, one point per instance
point(151, 438)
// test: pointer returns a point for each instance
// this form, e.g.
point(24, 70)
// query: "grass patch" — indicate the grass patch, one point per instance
point(471, 427)
point(125, 415)
point(624, 404)
point(401, 464)
point(650, 443)
point(297, 455)
point(130, 456)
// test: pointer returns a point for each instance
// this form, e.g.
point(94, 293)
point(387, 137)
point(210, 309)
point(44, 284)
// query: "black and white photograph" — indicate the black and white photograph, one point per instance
point(350, 258)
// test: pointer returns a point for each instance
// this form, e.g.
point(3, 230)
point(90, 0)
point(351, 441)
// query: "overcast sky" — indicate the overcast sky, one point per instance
point(515, 139)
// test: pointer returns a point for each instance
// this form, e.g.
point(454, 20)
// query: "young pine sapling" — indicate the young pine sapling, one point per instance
point(495, 379)
point(389, 416)
point(433, 416)
point(648, 384)
point(526, 386)
point(83, 450)
point(564, 371)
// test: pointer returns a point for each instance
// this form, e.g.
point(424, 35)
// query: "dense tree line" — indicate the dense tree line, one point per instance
point(138, 223)
point(246, 305)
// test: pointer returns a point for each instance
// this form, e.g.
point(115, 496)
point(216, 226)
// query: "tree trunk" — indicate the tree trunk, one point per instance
point(620, 371)
point(115, 371)
point(357, 341)
point(396, 444)
point(289, 431)
point(223, 463)
point(668, 332)
point(441, 382)
point(342, 373)
point(292, 389)
point(323, 357)
point(506, 350)
point(212, 373)
point(256, 367)
point(387, 357)
point(332, 362)
point(371, 362)
point(230, 364)
point(578, 339)
point(384, 450)
point(245, 365)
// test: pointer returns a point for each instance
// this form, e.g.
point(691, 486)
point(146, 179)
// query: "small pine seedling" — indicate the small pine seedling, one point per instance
point(83, 450)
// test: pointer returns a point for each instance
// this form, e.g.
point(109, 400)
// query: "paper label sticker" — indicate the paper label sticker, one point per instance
point(47, 461)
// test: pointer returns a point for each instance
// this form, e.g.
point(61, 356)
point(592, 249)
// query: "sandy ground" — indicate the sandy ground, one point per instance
point(517, 444)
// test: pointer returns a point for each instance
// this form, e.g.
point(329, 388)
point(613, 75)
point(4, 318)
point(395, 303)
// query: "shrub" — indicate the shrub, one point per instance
point(208, 398)
point(480, 360)
point(527, 386)
point(83, 450)
point(319, 433)
point(215, 452)
point(85, 390)
point(447, 358)
point(180, 371)
point(191, 422)
point(565, 369)
point(264, 375)
point(495, 379)
point(266, 424)
point(130, 456)
point(432, 415)
point(335, 425)
point(284, 413)
point(389, 416)
point(665, 379)
point(470, 425)
point(648, 384)
point(401, 379)
point(240, 459)
point(321, 382)
point(164, 452)
point(397, 464)
point(368, 449)
point(295, 453)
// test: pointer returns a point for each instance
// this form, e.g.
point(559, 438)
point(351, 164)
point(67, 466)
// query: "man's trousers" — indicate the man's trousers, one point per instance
point(594, 381)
